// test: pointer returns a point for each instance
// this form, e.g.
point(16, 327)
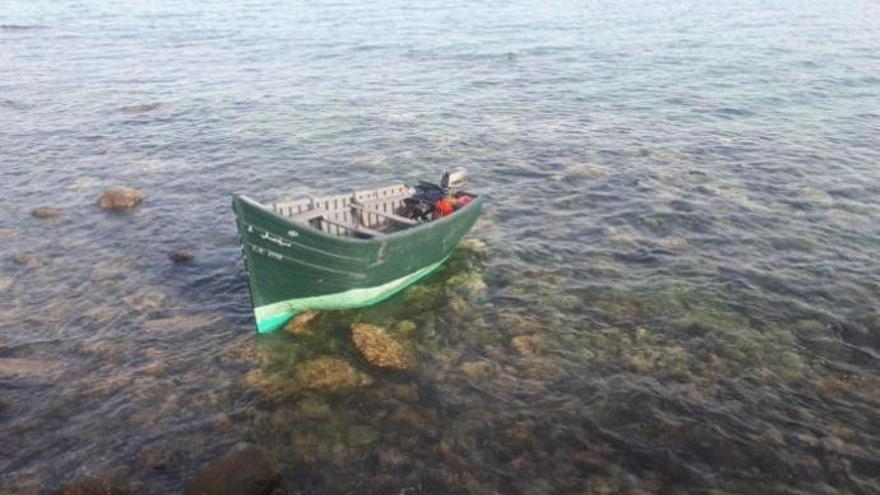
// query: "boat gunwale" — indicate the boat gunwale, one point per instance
point(354, 240)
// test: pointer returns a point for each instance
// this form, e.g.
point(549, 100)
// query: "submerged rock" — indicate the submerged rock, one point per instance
point(476, 369)
point(45, 212)
point(181, 256)
point(360, 435)
point(470, 283)
point(145, 301)
point(313, 408)
point(27, 260)
point(121, 198)
point(299, 325)
point(6, 284)
point(270, 384)
point(146, 107)
point(157, 458)
point(181, 323)
point(526, 345)
point(473, 245)
point(104, 485)
point(673, 243)
point(329, 374)
point(246, 469)
point(29, 368)
point(379, 348)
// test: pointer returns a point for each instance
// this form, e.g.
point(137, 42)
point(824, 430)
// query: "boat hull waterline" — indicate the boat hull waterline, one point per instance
point(293, 267)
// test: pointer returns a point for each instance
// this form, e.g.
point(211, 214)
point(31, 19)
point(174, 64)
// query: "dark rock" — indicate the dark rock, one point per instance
point(181, 256)
point(121, 198)
point(244, 470)
point(3, 406)
point(46, 212)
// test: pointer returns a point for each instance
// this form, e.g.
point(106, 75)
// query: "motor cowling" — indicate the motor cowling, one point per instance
point(453, 180)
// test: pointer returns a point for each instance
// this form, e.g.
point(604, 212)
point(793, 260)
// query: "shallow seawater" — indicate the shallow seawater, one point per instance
point(679, 287)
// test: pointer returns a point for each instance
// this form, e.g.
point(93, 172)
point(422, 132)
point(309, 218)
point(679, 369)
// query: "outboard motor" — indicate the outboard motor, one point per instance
point(453, 181)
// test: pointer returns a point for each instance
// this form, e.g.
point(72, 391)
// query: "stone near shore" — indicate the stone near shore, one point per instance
point(121, 198)
point(45, 212)
point(246, 469)
point(379, 348)
point(180, 256)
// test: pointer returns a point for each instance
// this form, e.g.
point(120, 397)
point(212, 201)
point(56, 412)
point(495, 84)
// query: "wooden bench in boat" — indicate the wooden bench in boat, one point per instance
point(364, 213)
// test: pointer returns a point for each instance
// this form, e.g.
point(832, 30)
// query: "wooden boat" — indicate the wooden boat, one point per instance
point(343, 251)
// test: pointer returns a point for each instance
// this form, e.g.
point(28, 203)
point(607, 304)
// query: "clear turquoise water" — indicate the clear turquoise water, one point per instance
point(683, 222)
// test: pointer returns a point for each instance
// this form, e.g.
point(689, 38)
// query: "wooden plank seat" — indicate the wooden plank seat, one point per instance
point(391, 216)
point(366, 212)
point(354, 228)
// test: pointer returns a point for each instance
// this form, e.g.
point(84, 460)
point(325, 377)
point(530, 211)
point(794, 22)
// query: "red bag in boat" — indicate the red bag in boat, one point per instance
point(443, 207)
point(464, 200)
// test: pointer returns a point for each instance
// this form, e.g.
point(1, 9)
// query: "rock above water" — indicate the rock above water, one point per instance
point(379, 348)
point(121, 198)
point(299, 325)
point(246, 469)
point(180, 256)
point(329, 374)
point(46, 212)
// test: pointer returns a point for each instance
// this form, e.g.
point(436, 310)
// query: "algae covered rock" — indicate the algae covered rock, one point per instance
point(270, 384)
point(121, 198)
point(472, 245)
point(329, 374)
point(300, 324)
point(313, 408)
point(246, 469)
point(469, 283)
point(380, 348)
point(476, 369)
point(527, 345)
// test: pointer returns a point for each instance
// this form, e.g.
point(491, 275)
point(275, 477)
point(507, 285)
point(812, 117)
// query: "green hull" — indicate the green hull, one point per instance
point(293, 267)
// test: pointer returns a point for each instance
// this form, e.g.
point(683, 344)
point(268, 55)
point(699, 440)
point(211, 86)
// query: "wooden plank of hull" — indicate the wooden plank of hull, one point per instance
point(290, 261)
